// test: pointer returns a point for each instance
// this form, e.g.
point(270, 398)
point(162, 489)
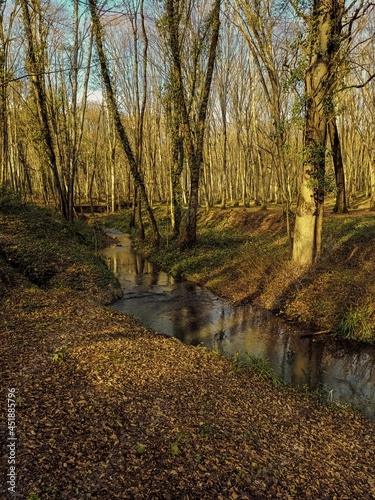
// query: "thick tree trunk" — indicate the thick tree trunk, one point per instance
point(190, 236)
point(177, 165)
point(309, 213)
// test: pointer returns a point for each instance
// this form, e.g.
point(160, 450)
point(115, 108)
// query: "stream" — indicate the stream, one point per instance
point(198, 317)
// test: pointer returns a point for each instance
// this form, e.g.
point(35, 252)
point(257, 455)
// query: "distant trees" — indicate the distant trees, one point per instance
point(206, 103)
point(260, 23)
point(5, 34)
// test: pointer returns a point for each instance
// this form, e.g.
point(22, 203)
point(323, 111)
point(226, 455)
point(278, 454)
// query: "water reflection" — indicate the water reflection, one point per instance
point(196, 316)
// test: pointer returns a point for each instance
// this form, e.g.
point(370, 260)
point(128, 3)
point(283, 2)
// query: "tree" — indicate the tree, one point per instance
point(113, 108)
point(341, 204)
point(36, 64)
point(192, 114)
point(76, 113)
point(319, 82)
point(336, 63)
point(324, 71)
point(4, 47)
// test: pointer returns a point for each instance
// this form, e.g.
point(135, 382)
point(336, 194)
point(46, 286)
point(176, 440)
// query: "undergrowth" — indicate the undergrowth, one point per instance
point(40, 247)
point(242, 360)
point(357, 324)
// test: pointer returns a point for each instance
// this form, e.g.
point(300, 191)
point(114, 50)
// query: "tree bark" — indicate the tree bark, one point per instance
point(177, 167)
point(193, 134)
point(309, 213)
point(37, 67)
point(197, 158)
point(3, 101)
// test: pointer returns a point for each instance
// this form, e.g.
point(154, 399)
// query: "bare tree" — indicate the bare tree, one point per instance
point(5, 34)
point(325, 62)
point(192, 113)
point(37, 70)
point(113, 107)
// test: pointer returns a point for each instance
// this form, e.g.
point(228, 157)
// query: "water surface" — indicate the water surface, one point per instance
point(196, 316)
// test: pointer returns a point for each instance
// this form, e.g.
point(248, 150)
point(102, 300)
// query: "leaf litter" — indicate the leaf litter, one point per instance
point(108, 409)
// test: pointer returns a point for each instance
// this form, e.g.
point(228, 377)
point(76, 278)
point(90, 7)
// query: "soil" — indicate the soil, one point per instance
point(106, 409)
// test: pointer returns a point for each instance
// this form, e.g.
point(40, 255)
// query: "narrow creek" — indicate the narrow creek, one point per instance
point(196, 316)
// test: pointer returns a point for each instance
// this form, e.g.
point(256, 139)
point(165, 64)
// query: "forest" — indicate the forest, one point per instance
point(190, 104)
point(230, 142)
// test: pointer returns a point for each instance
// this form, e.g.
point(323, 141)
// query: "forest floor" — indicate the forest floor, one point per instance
point(107, 409)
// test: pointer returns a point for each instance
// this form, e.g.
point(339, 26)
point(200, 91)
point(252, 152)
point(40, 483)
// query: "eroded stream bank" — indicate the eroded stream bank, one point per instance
point(196, 316)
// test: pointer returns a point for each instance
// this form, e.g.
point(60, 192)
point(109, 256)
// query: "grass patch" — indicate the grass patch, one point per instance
point(357, 324)
point(214, 249)
point(262, 367)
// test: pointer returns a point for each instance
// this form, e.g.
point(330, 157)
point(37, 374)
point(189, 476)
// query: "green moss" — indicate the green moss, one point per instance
point(41, 247)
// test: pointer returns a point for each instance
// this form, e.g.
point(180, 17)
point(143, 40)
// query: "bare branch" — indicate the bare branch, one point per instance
point(359, 86)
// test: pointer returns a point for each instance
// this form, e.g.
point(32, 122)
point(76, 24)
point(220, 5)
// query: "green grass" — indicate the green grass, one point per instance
point(347, 231)
point(214, 248)
point(242, 360)
point(357, 324)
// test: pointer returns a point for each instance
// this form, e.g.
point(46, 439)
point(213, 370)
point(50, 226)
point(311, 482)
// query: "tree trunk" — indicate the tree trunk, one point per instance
point(340, 206)
point(177, 167)
point(37, 68)
point(3, 102)
point(309, 213)
point(196, 159)
point(193, 133)
point(113, 108)
point(372, 179)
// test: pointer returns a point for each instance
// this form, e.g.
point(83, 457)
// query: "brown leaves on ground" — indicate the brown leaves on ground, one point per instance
point(107, 409)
